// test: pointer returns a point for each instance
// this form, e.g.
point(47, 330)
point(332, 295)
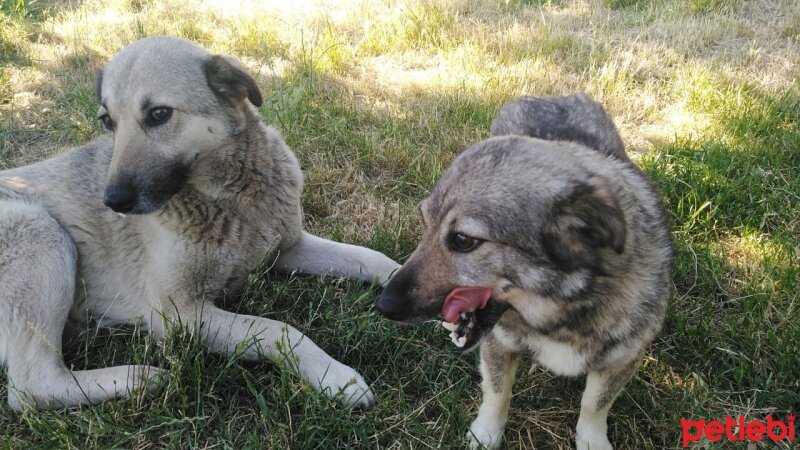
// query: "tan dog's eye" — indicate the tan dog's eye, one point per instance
point(460, 242)
point(158, 115)
point(107, 122)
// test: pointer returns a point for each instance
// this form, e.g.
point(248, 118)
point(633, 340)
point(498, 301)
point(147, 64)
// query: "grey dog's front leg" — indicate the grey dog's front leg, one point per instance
point(602, 387)
point(317, 256)
point(498, 369)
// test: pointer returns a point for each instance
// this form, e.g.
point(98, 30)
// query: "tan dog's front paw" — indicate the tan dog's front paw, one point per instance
point(347, 385)
point(389, 268)
point(147, 377)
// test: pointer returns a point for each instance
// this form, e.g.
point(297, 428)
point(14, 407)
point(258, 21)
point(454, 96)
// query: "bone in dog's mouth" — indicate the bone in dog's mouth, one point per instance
point(460, 312)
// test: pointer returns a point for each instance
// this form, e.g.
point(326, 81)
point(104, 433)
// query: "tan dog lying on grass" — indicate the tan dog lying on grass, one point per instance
point(183, 197)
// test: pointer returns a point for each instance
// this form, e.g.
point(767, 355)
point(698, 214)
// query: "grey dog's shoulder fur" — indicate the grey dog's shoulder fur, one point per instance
point(576, 118)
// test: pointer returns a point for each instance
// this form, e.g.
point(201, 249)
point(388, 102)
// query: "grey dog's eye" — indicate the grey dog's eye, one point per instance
point(460, 242)
point(158, 115)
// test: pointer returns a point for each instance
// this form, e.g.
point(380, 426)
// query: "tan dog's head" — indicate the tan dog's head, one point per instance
point(520, 216)
point(166, 101)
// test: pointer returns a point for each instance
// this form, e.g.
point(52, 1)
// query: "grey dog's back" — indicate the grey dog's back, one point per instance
point(575, 118)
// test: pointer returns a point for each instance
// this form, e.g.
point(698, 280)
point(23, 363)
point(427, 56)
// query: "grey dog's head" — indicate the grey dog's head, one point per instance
point(166, 101)
point(534, 220)
point(528, 218)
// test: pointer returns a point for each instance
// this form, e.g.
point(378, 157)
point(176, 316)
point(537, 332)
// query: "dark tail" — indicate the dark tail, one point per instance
point(575, 118)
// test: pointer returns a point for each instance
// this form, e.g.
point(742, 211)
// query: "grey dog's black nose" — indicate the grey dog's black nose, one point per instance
point(390, 305)
point(121, 197)
point(393, 302)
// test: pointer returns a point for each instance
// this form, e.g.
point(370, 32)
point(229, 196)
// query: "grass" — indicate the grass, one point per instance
point(376, 98)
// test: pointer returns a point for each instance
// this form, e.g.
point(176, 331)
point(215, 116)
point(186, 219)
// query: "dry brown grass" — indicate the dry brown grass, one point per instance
point(641, 62)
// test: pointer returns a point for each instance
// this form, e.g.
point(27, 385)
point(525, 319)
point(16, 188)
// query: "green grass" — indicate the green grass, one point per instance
point(376, 99)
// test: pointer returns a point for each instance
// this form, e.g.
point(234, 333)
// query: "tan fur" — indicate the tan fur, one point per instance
point(211, 192)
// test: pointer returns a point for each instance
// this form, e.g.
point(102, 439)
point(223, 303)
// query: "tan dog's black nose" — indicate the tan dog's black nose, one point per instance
point(120, 197)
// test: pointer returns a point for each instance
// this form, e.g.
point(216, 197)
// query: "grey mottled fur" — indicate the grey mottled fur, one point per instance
point(575, 247)
point(576, 118)
point(215, 191)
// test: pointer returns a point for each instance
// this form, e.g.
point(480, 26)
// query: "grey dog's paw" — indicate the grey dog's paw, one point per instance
point(583, 444)
point(591, 436)
point(347, 386)
point(486, 434)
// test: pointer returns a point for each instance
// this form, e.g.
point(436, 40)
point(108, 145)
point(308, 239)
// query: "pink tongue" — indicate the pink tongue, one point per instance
point(467, 298)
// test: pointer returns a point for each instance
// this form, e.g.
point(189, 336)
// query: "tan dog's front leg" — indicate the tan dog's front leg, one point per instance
point(317, 256)
point(38, 267)
point(498, 369)
point(225, 332)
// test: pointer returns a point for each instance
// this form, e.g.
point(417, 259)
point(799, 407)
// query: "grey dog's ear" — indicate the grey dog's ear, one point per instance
point(228, 80)
point(587, 220)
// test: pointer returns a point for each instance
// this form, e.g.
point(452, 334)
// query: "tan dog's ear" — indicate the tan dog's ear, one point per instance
point(585, 221)
point(98, 85)
point(228, 80)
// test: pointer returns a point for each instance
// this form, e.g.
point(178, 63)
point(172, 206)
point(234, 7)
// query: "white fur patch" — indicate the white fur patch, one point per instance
point(557, 357)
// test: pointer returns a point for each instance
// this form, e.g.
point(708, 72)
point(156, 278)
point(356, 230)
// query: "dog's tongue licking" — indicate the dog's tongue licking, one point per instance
point(464, 299)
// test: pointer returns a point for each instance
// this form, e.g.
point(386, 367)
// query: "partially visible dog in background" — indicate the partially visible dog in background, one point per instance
point(544, 238)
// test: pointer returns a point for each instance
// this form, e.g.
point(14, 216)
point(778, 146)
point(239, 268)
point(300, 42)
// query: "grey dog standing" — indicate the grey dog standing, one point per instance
point(570, 240)
point(176, 204)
